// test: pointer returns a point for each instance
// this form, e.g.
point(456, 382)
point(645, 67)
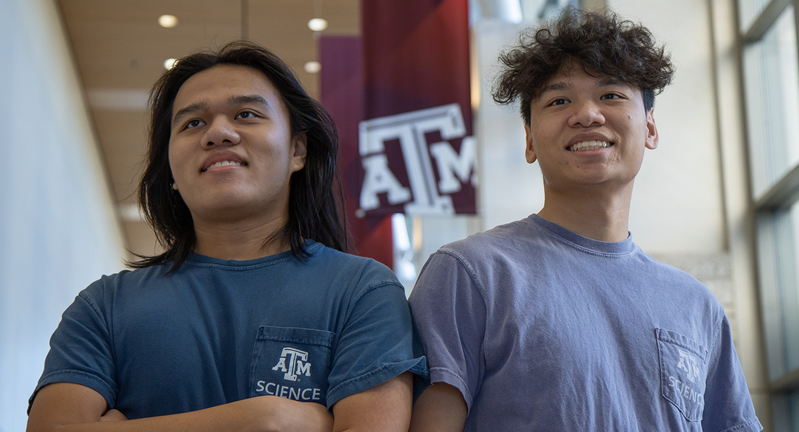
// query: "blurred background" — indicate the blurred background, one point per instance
point(716, 199)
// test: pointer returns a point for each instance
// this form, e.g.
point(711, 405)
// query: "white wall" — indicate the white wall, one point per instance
point(678, 201)
point(58, 229)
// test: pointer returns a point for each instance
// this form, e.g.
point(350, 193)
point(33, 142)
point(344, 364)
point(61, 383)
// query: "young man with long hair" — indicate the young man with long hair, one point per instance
point(253, 318)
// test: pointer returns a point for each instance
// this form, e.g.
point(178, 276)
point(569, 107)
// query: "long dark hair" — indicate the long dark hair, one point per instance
point(315, 196)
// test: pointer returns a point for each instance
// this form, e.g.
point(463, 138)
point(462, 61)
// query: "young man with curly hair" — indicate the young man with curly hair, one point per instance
point(559, 322)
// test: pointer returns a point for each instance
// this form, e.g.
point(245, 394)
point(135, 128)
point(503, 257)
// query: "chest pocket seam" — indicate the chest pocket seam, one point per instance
point(683, 370)
point(298, 358)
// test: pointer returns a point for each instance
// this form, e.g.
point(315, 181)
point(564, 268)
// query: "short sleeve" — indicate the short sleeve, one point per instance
point(449, 314)
point(80, 350)
point(376, 343)
point(728, 405)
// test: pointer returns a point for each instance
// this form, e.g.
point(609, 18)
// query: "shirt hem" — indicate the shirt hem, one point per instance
point(375, 377)
point(447, 376)
point(752, 425)
point(76, 377)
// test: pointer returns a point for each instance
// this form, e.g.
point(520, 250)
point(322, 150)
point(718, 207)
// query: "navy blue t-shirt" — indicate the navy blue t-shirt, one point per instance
point(218, 331)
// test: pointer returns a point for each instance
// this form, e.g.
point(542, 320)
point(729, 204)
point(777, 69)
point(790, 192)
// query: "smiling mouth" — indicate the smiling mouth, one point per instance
point(224, 164)
point(589, 145)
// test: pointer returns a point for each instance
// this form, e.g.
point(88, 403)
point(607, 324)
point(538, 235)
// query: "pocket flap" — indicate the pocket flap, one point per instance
point(296, 335)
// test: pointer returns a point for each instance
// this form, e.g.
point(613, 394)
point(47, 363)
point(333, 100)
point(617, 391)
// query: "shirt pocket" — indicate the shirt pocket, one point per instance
point(683, 371)
point(292, 363)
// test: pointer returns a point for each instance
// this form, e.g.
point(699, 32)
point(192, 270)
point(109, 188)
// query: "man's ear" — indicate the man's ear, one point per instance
point(651, 130)
point(299, 142)
point(529, 151)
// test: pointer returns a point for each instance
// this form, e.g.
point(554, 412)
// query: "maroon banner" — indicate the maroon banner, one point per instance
point(341, 92)
point(415, 143)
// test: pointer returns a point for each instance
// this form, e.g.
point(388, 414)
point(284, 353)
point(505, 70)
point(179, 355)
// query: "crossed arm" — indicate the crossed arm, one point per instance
point(66, 407)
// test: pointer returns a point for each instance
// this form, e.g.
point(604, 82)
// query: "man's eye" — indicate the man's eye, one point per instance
point(610, 96)
point(245, 114)
point(558, 102)
point(193, 123)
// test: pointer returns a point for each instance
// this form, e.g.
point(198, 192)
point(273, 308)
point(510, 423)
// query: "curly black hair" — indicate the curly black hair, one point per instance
point(598, 42)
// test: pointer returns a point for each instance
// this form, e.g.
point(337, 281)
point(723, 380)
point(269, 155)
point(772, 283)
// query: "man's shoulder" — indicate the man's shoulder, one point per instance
point(500, 250)
point(678, 279)
point(122, 280)
point(495, 240)
point(329, 259)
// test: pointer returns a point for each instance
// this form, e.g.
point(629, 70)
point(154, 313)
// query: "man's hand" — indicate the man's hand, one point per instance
point(285, 415)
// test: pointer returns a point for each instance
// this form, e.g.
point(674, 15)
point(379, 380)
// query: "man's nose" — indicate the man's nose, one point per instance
point(221, 132)
point(587, 113)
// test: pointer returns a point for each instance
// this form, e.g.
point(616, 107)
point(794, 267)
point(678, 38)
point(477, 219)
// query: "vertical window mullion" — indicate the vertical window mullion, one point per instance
point(770, 296)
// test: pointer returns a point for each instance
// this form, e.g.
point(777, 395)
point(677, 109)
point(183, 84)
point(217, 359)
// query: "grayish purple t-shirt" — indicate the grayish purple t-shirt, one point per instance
point(543, 329)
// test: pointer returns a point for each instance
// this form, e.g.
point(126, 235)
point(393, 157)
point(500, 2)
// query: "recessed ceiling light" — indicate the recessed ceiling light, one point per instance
point(168, 63)
point(312, 67)
point(168, 21)
point(317, 24)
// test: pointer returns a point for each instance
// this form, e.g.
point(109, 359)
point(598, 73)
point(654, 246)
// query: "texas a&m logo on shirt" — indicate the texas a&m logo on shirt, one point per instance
point(293, 362)
point(287, 373)
point(689, 364)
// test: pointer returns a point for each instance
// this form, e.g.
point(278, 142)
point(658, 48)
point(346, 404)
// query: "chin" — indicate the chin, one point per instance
point(218, 203)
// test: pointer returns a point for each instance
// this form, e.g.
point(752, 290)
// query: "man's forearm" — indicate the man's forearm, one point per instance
point(55, 411)
point(385, 407)
point(440, 408)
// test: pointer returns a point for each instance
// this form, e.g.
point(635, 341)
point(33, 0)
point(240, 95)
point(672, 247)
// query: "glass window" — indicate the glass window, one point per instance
point(772, 90)
point(778, 236)
point(771, 82)
point(748, 10)
point(788, 263)
point(790, 409)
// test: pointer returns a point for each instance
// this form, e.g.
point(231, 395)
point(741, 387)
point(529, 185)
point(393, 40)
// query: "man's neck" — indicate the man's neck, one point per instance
point(240, 240)
point(590, 213)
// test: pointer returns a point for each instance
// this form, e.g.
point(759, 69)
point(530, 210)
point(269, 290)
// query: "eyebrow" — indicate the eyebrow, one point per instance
point(233, 100)
point(609, 81)
point(560, 85)
point(191, 109)
point(240, 100)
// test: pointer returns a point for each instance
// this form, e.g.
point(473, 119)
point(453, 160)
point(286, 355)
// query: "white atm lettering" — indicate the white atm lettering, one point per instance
point(425, 195)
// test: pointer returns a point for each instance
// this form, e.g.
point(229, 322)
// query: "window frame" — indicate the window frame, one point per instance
point(778, 279)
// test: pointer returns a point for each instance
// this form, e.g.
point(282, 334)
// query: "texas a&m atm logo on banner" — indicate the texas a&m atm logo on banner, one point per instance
point(419, 162)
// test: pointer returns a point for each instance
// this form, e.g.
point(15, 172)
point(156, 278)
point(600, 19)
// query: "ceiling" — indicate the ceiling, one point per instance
point(120, 50)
